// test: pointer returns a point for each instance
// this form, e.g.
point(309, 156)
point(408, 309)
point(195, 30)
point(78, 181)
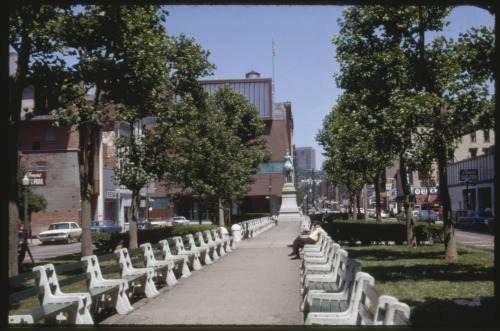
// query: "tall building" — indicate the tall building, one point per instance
point(305, 158)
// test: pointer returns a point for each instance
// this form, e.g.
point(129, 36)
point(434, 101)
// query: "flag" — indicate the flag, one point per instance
point(274, 50)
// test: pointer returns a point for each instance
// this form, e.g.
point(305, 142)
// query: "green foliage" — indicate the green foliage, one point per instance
point(375, 232)
point(109, 241)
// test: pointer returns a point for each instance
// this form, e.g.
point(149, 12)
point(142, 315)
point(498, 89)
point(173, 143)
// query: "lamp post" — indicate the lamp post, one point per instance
point(270, 186)
point(26, 182)
point(118, 222)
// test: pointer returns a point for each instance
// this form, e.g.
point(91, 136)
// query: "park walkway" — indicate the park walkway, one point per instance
point(256, 284)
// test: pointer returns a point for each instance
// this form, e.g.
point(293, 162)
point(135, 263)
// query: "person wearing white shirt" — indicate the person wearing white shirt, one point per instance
point(312, 238)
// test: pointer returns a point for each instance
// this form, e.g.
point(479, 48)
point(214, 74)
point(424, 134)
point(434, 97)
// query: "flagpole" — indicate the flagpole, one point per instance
point(274, 54)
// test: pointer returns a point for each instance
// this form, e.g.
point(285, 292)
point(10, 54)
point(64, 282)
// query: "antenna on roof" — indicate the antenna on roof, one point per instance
point(274, 54)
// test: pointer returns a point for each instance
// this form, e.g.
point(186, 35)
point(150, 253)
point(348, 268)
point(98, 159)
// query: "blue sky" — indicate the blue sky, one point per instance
point(240, 39)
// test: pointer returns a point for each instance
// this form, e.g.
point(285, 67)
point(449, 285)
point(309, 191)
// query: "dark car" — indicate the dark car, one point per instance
point(473, 217)
point(143, 223)
point(104, 226)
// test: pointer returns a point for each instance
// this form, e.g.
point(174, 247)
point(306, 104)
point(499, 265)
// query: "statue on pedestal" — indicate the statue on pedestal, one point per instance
point(288, 168)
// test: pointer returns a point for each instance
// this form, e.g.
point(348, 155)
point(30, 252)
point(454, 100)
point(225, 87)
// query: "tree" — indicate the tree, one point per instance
point(220, 150)
point(348, 146)
point(431, 93)
point(30, 29)
point(120, 70)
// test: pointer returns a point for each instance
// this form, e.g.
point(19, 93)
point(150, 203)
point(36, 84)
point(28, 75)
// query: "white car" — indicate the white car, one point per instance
point(62, 231)
point(180, 220)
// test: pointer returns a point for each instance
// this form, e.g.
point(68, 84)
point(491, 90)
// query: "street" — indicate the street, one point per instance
point(42, 252)
point(482, 240)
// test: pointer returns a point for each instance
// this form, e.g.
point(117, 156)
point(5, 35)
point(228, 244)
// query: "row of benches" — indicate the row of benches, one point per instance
point(336, 292)
point(159, 267)
point(162, 263)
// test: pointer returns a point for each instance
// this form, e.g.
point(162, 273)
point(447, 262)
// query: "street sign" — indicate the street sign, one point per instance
point(427, 182)
point(468, 175)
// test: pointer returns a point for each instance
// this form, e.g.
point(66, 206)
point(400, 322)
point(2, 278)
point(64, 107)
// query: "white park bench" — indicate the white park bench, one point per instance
point(213, 237)
point(106, 293)
point(193, 255)
point(203, 250)
point(164, 270)
point(363, 306)
point(206, 243)
point(139, 279)
point(181, 262)
point(55, 306)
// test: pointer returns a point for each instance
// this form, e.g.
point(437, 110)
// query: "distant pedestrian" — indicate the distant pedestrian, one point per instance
point(275, 219)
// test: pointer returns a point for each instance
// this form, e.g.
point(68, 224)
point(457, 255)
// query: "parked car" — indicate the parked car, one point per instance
point(426, 216)
point(106, 226)
point(474, 217)
point(383, 213)
point(158, 223)
point(61, 231)
point(180, 220)
point(456, 217)
point(143, 223)
point(402, 216)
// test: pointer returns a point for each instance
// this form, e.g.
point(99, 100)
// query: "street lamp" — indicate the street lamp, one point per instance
point(270, 186)
point(26, 182)
point(118, 222)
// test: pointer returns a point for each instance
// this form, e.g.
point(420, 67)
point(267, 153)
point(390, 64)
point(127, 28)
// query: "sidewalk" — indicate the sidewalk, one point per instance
point(256, 284)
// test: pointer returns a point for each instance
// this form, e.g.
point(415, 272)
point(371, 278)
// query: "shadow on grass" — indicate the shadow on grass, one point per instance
point(378, 254)
point(436, 313)
point(430, 272)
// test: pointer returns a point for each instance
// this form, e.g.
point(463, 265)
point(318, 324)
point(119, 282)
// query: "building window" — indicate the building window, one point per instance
point(41, 166)
point(49, 135)
point(487, 136)
point(473, 137)
point(486, 150)
point(35, 146)
point(451, 155)
point(472, 152)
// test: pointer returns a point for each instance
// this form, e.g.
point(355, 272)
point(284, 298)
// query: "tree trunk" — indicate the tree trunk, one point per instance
point(449, 232)
point(13, 117)
point(200, 214)
point(354, 199)
point(12, 187)
point(365, 201)
point(86, 160)
point(134, 211)
point(377, 196)
point(410, 233)
point(221, 213)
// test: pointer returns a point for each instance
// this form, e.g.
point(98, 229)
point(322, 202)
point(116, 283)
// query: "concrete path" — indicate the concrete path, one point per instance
point(256, 284)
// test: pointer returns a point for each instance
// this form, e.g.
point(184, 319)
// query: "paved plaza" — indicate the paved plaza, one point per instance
point(256, 284)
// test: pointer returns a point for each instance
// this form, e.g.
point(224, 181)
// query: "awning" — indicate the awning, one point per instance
point(422, 198)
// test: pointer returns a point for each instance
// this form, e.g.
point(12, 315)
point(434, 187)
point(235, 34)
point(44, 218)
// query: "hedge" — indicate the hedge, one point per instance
point(109, 241)
point(375, 232)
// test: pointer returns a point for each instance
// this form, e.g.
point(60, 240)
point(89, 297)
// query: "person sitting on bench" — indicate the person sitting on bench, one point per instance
point(312, 238)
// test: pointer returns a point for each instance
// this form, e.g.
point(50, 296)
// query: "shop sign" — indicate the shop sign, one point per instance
point(432, 190)
point(37, 178)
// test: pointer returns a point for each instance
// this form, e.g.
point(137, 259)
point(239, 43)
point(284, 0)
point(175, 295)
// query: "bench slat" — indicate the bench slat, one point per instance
point(28, 293)
point(49, 310)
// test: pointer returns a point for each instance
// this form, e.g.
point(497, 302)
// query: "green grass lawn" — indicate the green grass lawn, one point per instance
point(423, 279)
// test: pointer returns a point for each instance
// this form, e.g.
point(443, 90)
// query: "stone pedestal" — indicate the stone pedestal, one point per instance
point(289, 211)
